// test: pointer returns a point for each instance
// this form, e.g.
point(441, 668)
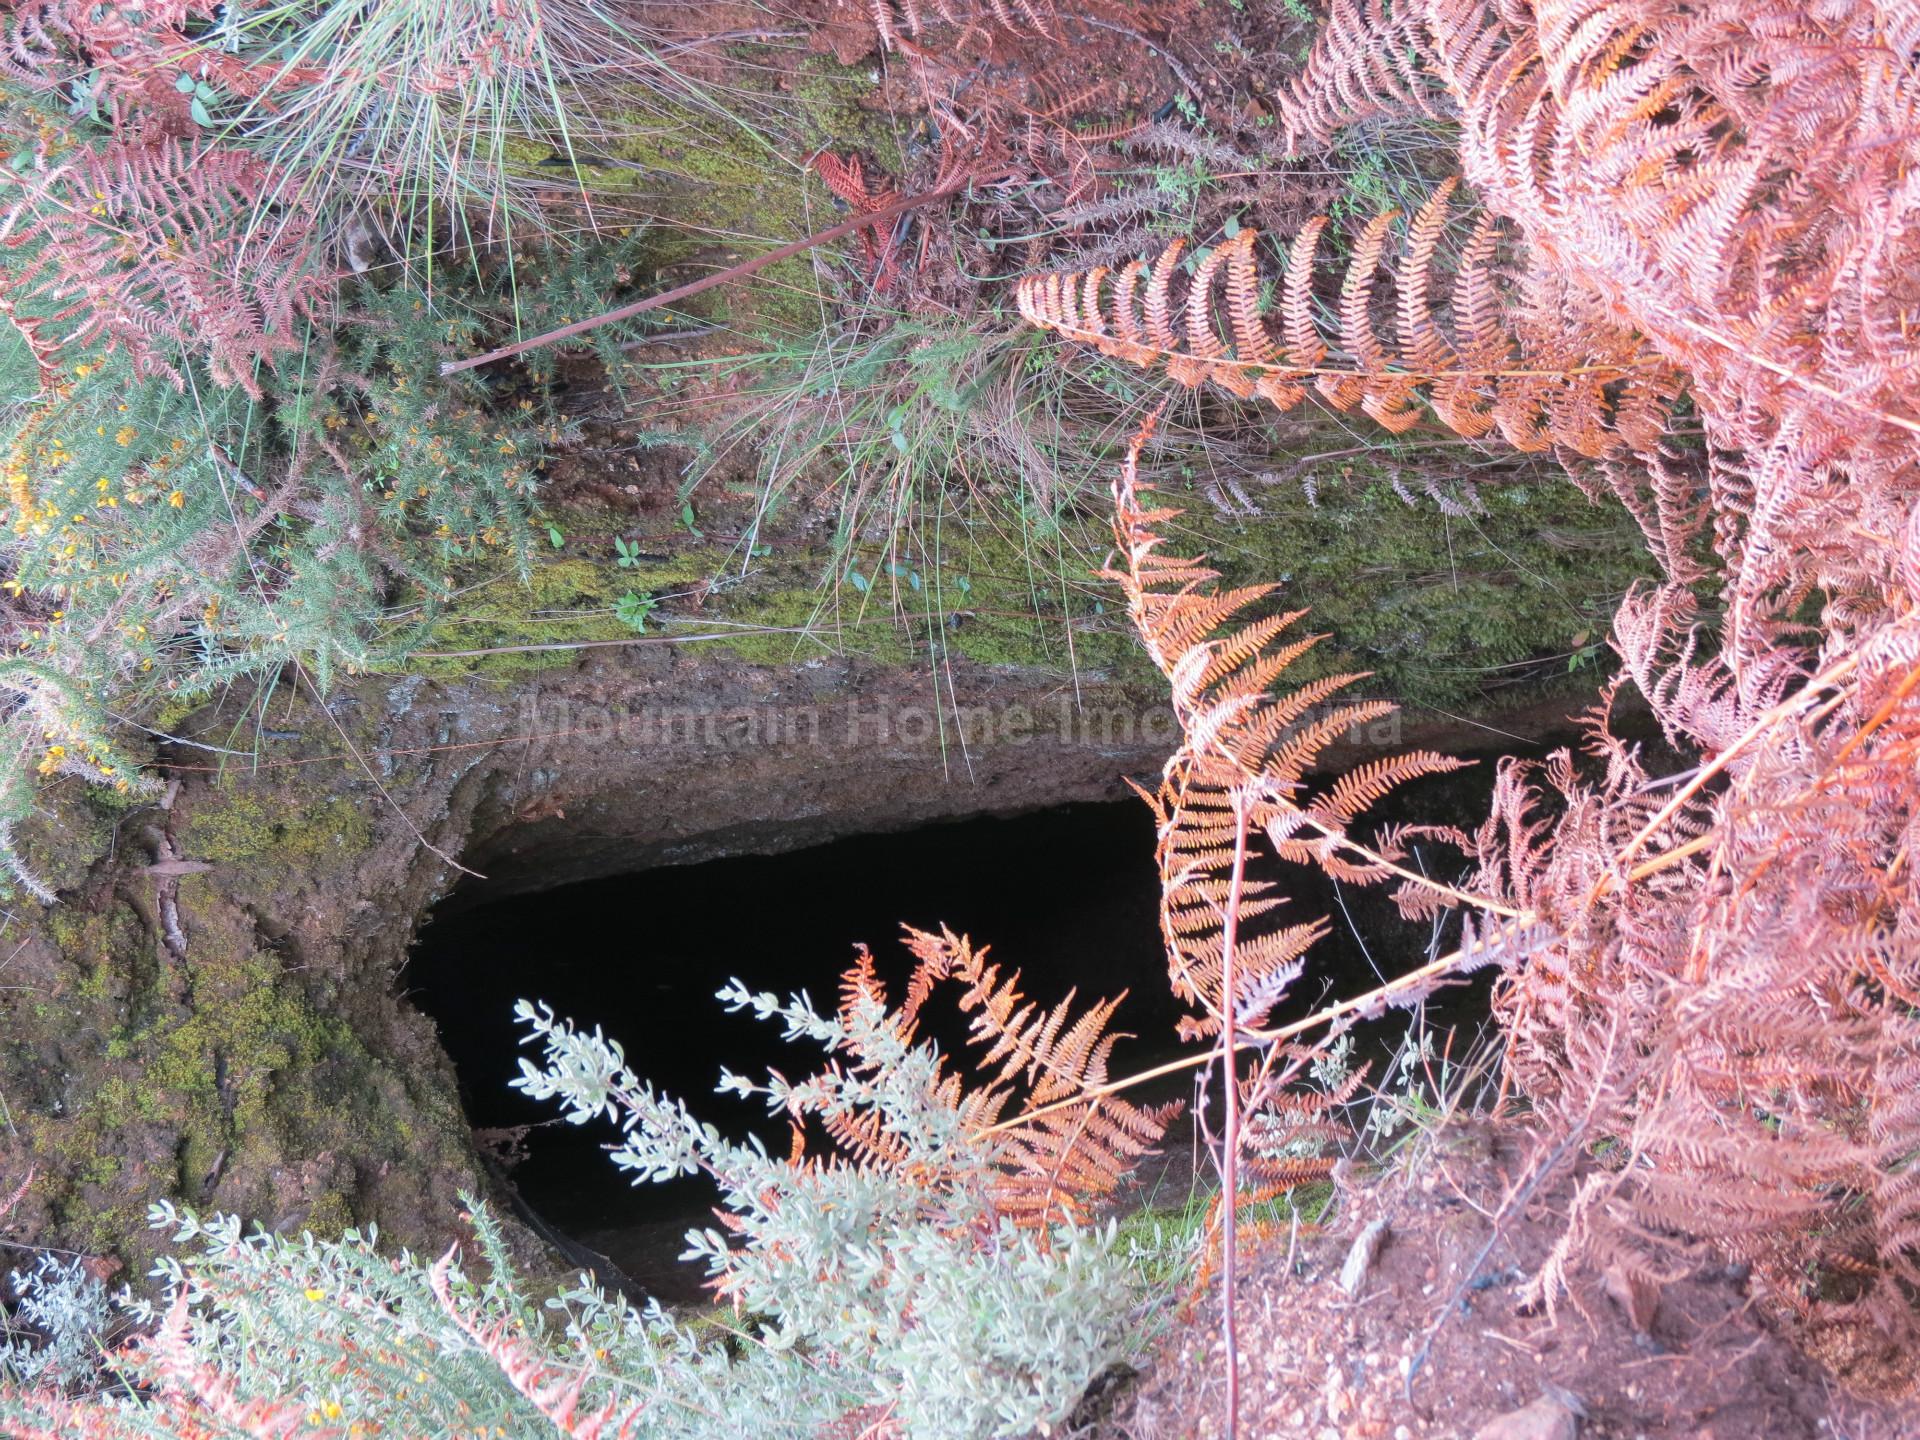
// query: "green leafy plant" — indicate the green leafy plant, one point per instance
point(633, 610)
point(62, 1305)
point(167, 540)
point(264, 1334)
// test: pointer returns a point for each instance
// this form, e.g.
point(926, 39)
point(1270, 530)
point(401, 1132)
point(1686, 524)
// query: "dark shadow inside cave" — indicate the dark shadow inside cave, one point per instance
point(1068, 896)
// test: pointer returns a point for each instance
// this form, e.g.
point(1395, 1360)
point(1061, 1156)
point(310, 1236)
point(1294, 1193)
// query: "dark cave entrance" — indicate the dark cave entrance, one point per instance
point(1068, 896)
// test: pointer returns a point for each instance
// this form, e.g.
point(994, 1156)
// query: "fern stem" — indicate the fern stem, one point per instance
point(1414, 877)
point(1799, 378)
point(1418, 374)
point(1230, 1080)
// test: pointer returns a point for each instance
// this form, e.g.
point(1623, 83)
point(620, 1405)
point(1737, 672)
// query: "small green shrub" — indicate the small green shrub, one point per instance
point(873, 1297)
point(934, 1306)
point(336, 1338)
point(64, 1306)
point(168, 539)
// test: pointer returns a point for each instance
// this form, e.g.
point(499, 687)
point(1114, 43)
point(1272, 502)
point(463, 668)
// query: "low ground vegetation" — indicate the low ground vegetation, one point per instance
point(1657, 253)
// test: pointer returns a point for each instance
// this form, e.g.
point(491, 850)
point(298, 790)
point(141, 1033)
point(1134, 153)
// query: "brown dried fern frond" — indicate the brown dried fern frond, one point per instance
point(1735, 182)
point(1059, 1165)
point(1729, 988)
point(9, 1201)
point(1366, 63)
point(160, 251)
point(892, 18)
point(30, 50)
point(1202, 318)
point(1242, 769)
point(1048, 1168)
point(847, 179)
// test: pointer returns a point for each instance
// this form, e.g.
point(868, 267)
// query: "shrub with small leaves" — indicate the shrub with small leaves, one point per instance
point(160, 540)
point(889, 1297)
point(953, 1322)
point(266, 1335)
point(63, 1307)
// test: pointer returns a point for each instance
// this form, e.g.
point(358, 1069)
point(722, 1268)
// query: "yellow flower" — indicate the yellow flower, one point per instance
point(125, 435)
point(316, 1294)
point(330, 1409)
point(176, 499)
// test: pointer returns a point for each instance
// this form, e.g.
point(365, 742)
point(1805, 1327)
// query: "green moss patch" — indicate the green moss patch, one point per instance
point(249, 824)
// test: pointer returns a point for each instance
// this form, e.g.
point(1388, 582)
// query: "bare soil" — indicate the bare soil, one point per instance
point(1702, 1362)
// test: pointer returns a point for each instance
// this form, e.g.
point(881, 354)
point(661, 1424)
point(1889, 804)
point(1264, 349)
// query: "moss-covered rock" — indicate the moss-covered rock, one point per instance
point(1467, 611)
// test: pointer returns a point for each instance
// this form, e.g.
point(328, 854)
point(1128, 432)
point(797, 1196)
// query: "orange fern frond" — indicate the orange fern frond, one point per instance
point(1055, 1166)
point(847, 178)
point(1364, 63)
point(1051, 1168)
point(1179, 314)
point(862, 1138)
point(1242, 769)
point(7, 1204)
point(861, 987)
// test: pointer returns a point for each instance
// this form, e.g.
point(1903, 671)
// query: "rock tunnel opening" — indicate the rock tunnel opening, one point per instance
point(1068, 896)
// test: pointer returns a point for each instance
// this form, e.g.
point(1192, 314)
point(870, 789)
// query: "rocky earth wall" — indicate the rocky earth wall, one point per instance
point(210, 1013)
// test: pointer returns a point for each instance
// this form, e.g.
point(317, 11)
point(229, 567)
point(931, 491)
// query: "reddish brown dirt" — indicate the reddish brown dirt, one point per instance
point(1319, 1365)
